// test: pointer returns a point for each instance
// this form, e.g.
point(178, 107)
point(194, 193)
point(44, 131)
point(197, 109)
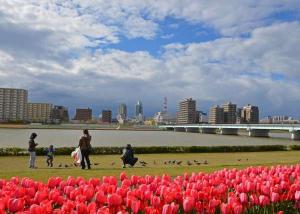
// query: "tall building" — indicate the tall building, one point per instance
point(39, 112)
point(250, 114)
point(13, 104)
point(83, 114)
point(106, 116)
point(216, 115)
point(138, 109)
point(229, 110)
point(122, 111)
point(60, 114)
point(187, 113)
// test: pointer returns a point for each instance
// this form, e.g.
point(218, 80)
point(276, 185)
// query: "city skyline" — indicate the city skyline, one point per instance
point(98, 54)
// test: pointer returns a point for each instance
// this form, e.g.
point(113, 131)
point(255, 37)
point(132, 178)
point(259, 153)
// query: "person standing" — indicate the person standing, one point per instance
point(31, 150)
point(85, 148)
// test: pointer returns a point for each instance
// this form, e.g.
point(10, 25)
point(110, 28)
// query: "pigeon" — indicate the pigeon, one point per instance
point(205, 162)
point(239, 159)
point(112, 163)
point(143, 162)
point(66, 165)
point(195, 161)
point(174, 161)
point(60, 165)
point(165, 162)
point(198, 163)
point(179, 162)
point(189, 163)
point(96, 164)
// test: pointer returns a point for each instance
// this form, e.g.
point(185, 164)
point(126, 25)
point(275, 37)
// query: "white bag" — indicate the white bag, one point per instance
point(77, 157)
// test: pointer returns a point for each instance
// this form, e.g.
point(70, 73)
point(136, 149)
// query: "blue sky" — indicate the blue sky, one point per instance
point(101, 53)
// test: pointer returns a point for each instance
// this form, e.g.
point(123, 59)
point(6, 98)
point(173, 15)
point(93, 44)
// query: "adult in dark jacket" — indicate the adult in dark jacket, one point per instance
point(85, 148)
point(128, 156)
point(31, 150)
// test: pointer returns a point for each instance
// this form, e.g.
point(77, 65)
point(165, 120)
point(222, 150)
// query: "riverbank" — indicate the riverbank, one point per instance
point(40, 151)
point(80, 127)
point(157, 164)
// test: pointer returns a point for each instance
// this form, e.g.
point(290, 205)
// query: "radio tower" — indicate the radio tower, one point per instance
point(165, 106)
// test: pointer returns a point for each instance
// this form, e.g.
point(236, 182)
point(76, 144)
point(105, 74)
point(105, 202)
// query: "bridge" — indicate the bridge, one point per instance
point(254, 130)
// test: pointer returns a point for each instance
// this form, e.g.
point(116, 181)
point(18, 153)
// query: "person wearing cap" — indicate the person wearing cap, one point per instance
point(31, 150)
point(128, 156)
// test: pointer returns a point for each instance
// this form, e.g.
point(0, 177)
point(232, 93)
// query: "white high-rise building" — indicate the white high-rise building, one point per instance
point(13, 104)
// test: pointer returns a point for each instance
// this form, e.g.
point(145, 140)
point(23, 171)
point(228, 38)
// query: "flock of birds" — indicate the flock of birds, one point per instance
point(144, 164)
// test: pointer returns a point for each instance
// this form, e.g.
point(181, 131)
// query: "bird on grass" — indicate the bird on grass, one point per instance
point(239, 159)
point(179, 162)
point(96, 164)
point(189, 163)
point(66, 165)
point(143, 163)
point(113, 163)
point(205, 162)
point(165, 162)
point(60, 165)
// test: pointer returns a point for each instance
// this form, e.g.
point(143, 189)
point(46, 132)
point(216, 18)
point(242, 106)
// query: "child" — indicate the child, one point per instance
point(50, 155)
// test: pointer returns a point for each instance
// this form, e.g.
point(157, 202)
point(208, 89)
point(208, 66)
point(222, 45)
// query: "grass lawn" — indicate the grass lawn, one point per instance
point(111, 164)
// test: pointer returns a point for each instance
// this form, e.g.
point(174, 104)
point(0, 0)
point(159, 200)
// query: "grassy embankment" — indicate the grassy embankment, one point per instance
point(111, 164)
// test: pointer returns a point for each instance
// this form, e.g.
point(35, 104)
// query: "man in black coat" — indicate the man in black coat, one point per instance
point(128, 156)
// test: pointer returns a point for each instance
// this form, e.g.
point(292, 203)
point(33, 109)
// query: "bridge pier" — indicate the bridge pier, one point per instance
point(224, 131)
point(295, 135)
point(258, 133)
point(179, 129)
point(208, 131)
point(194, 130)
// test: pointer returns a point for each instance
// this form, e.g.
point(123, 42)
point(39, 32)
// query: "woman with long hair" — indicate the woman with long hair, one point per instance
point(85, 148)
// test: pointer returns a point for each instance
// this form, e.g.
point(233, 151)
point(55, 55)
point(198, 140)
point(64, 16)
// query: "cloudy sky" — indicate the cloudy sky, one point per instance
point(99, 53)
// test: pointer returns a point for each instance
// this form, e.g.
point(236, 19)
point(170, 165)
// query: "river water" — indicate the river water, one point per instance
point(62, 138)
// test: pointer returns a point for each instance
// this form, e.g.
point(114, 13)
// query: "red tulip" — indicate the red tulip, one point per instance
point(114, 200)
point(238, 209)
point(135, 205)
point(155, 201)
point(15, 205)
point(225, 208)
point(36, 209)
point(81, 208)
point(123, 176)
point(101, 197)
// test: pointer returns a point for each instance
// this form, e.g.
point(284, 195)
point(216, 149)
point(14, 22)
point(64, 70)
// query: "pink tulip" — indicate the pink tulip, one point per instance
point(264, 200)
point(297, 195)
point(238, 209)
point(188, 204)
point(243, 198)
point(274, 197)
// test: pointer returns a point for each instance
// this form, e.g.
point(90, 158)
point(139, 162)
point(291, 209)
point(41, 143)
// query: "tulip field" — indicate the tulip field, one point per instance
point(252, 190)
point(228, 183)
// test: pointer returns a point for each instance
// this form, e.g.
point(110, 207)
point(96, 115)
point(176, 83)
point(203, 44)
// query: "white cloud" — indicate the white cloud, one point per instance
point(43, 46)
